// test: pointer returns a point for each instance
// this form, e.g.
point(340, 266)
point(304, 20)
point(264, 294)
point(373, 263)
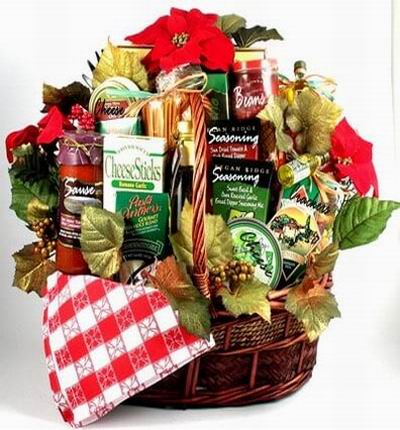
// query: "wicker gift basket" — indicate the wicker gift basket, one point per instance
point(253, 362)
point(320, 197)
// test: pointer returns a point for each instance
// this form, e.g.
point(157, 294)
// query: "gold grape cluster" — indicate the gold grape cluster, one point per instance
point(231, 273)
point(46, 233)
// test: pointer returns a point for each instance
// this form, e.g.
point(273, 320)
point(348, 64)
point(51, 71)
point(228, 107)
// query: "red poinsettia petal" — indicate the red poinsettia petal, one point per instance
point(152, 66)
point(189, 53)
point(53, 126)
point(344, 140)
point(373, 179)
point(161, 48)
point(363, 153)
point(198, 18)
point(177, 23)
point(217, 53)
point(362, 175)
point(149, 35)
point(352, 157)
point(176, 11)
point(28, 134)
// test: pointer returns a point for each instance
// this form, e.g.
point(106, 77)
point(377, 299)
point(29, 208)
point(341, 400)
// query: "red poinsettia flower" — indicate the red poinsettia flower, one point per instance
point(52, 126)
point(352, 157)
point(49, 128)
point(185, 37)
point(28, 134)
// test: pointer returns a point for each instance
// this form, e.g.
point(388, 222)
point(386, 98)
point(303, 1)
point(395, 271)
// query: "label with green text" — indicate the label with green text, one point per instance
point(241, 188)
point(132, 163)
point(146, 232)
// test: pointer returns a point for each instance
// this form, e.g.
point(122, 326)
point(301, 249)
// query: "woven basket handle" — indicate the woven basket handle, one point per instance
point(200, 272)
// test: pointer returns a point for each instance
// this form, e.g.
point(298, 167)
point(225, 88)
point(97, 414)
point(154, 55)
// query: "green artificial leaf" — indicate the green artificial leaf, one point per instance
point(173, 280)
point(116, 61)
point(101, 240)
point(249, 297)
point(218, 239)
point(66, 97)
point(246, 37)
point(230, 23)
point(24, 150)
point(24, 194)
point(324, 261)
point(361, 220)
point(31, 270)
point(313, 306)
point(32, 163)
point(195, 316)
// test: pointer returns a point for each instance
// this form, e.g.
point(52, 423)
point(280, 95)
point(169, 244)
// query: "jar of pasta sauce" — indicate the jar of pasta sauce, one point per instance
point(254, 82)
point(81, 184)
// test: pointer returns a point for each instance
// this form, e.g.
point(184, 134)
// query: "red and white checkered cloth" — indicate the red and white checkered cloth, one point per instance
point(105, 342)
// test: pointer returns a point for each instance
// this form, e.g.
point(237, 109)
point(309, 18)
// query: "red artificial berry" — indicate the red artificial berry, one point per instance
point(76, 112)
point(86, 121)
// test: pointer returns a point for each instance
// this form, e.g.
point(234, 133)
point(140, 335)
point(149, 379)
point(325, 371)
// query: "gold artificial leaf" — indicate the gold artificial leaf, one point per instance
point(249, 297)
point(116, 61)
point(31, 270)
point(274, 112)
point(218, 239)
point(325, 261)
point(316, 117)
point(101, 240)
point(172, 279)
point(313, 306)
point(36, 210)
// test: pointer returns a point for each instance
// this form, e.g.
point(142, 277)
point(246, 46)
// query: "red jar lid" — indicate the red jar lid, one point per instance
point(270, 63)
point(249, 65)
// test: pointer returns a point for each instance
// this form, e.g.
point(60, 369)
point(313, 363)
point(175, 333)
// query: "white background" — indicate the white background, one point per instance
point(356, 383)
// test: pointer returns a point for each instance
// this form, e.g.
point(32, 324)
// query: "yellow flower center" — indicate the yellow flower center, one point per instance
point(180, 39)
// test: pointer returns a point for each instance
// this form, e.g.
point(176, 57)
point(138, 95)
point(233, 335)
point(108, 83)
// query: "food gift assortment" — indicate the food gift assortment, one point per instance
point(189, 202)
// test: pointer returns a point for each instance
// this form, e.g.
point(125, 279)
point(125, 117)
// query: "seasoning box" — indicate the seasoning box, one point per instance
point(147, 227)
point(232, 139)
point(241, 188)
point(217, 90)
point(133, 163)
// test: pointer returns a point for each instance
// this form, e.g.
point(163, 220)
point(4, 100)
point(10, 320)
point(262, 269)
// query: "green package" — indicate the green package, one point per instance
point(241, 188)
point(147, 224)
point(217, 92)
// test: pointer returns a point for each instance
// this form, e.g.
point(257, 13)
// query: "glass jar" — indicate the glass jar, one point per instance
point(81, 184)
point(254, 82)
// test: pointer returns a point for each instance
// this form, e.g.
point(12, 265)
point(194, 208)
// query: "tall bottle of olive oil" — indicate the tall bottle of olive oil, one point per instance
point(183, 178)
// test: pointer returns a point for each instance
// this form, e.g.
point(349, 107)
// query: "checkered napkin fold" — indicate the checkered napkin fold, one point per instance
point(105, 342)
